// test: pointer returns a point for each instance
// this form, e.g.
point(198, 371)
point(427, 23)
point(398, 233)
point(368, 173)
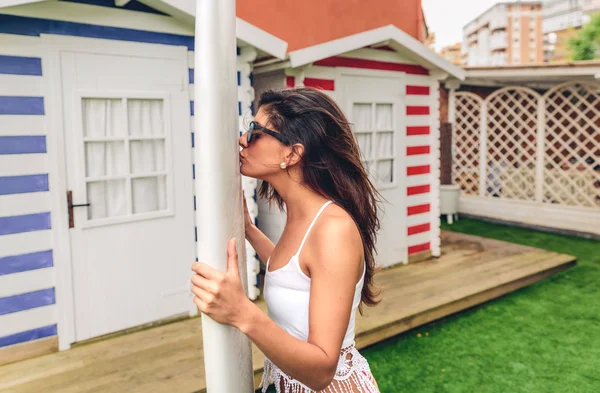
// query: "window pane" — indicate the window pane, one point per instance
point(104, 158)
point(102, 117)
point(145, 117)
point(385, 144)
point(106, 199)
point(149, 194)
point(361, 117)
point(147, 156)
point(364, 143)
point(385, 171)
point(383, 113)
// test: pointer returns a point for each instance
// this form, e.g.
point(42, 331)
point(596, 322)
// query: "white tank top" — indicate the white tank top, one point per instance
point(287, 294)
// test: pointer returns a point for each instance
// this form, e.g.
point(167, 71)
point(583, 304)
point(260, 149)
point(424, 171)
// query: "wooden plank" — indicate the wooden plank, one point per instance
point(436, 300)
point(16, 353)
point(169, 358)
point(391, 330)
point(435, 290)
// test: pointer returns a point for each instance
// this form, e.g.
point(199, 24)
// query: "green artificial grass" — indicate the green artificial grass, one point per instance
point(544, 338)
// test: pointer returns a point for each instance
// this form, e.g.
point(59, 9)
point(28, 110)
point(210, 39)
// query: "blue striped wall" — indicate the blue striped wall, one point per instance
point(32, 143)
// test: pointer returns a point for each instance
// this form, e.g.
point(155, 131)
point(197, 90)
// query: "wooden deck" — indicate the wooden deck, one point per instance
point(168, 358)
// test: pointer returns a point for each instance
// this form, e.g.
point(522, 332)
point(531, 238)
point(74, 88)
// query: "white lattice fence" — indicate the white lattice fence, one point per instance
point(465, 152)
point(519, 155)
point(572, 148)
point(511, 143)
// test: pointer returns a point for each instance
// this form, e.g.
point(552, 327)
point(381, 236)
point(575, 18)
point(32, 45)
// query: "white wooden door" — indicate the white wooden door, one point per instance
point(374, 104)
point(127, 139)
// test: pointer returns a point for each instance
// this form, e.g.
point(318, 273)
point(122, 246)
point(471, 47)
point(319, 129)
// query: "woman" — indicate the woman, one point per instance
point(321, 270)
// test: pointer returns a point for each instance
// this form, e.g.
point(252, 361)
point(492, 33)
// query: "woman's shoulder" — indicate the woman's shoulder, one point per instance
point(335, 229)
point(336, 217)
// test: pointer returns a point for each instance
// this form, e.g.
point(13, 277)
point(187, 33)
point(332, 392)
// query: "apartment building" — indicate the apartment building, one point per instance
point(452, 53)
point(507, 33)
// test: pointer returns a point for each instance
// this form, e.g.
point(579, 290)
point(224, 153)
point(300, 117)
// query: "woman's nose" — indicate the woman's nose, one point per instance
point(243, 140)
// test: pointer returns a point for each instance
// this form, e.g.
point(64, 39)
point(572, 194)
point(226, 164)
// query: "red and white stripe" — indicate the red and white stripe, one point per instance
point(419, 97)
point(418, 163)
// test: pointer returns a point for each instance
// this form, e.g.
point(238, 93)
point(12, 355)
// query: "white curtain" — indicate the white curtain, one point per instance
point(149, 193)
point(145, 117)
point(385, 144)
point(384, 171)
point(104, 119)
point(385, 140)
point(383, 114)
point(364, 143)
point(361, 117)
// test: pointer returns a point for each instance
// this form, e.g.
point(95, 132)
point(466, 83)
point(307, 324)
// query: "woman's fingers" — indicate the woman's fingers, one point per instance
point(204, 284)
point(206, 271)
point(205, 296)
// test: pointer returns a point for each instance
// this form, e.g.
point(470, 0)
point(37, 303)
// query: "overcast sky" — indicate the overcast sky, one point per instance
point(446, 18)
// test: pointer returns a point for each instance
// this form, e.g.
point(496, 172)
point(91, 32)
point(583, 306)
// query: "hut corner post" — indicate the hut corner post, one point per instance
point(219, 214)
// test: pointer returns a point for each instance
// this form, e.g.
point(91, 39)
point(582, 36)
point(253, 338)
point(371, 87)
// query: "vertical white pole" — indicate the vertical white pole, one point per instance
point(219, 214)
point(434, 87)
point(483, 150)
point(540, 150)
point(451, 105)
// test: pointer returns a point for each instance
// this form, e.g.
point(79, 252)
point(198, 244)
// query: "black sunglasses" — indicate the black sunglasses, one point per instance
point(254, 126)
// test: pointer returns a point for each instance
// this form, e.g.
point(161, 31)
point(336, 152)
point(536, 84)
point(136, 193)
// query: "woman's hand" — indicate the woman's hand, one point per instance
point(248, 223)
point(220, 295)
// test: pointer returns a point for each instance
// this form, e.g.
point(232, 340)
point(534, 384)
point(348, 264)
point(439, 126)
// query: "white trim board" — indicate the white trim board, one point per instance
point(532, 213)
point(180, 21)
point(398, 40)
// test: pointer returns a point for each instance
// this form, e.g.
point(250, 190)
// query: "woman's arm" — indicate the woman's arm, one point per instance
point(334, 255)
point(260, 242)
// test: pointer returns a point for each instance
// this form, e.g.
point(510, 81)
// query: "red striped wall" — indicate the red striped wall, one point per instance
point(418, 209)
point(419, 248)
point(325, 84)
point(412, 109)
point(417, 130)
point(415, 98)
point(340, 61)
point(413, 230)
point(417, 110)
point(417, 90)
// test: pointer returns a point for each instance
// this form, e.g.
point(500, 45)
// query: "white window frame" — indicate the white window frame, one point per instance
point(368, 158)
point(124, 96)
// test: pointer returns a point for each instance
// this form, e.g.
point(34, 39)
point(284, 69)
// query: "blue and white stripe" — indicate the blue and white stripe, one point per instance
point(27, 287)
point(27, 301)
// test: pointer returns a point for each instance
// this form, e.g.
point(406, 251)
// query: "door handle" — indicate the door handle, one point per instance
point(70, 206)
point(83, 204)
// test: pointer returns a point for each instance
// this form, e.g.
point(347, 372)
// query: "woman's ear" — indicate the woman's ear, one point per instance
point(295, 155)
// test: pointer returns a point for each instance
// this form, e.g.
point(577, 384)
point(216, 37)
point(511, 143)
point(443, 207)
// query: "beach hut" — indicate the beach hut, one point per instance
point(387, 83)
point(97, 202)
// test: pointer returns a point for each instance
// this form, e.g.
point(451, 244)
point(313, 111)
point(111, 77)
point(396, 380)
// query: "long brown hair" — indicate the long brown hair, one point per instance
point(331, 163)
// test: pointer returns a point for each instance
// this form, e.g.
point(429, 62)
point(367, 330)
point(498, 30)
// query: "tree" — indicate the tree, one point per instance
point(587, 42)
